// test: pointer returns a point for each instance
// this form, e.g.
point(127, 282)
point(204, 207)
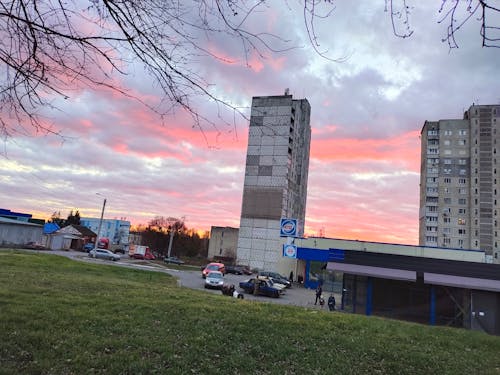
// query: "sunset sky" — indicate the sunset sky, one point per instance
point(366, 117)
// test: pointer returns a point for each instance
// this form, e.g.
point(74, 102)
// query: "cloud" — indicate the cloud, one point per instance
point(367, 113)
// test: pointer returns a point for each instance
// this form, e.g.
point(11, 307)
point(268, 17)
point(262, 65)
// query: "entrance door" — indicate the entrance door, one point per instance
point(485, 312)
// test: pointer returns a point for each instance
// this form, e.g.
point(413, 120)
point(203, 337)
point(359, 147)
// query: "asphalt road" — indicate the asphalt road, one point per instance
point(297, 295)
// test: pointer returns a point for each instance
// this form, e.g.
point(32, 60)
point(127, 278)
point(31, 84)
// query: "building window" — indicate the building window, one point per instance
point(446, 241)
point(461, 232)
point(462, 201)
point(462, 172)
point(461, 221)
point(462, 161)
point(432, 208)
point(448, 132)
point(431, 180)
point(461, 211)
point(461, 181)
point(460, 243)
point(447, 180)
point(447, 161)
point(432, 132)
point(447, 220)
point(446, 142)
point(462, 191)
point(447, 152)
point(461, 142)
point(447, 170)
point(431, 238)
point(447, 200)
point(433, 150)
point(431, 218)
point(462, 132)
point(446, 230)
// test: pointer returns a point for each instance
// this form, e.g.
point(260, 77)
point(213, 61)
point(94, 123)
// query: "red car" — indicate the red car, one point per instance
point(213, 267)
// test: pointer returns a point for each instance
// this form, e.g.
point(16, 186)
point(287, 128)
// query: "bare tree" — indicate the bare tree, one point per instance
point(51, 48)
point(455, 14)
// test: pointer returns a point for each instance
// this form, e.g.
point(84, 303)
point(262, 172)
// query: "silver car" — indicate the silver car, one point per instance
point(103, 254)
point(215, 280)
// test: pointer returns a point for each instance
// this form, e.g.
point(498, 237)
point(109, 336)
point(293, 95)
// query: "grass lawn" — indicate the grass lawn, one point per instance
point(59, 316)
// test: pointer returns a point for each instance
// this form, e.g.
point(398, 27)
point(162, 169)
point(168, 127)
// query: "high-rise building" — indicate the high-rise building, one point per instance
point(275, 186)
point(459, 182)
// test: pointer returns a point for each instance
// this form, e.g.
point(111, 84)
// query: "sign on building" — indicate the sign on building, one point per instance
point(288, 228)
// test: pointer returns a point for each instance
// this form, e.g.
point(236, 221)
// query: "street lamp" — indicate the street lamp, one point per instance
point(100, 224)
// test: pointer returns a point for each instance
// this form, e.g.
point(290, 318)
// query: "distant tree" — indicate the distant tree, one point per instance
point(73, 219)
point(56, 219)
point(49, 49)
point(185, 242)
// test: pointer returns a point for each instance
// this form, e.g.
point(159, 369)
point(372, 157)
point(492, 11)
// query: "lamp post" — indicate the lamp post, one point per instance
point(100, 224)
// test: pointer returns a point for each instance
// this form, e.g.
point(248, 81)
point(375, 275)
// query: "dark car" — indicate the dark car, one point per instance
point(88, 246)
point(238, 269)
point(173, 260)
point(34, 246)
point(276, 278)
point(265, 287)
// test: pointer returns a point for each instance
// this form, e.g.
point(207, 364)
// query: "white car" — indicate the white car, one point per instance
point(214, 279)
point(103, 254)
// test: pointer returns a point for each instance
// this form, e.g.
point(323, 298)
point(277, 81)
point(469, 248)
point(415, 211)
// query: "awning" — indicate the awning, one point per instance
point(462, 282)
point(384, 273)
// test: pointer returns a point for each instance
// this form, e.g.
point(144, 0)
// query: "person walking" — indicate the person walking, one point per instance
point(319, 291)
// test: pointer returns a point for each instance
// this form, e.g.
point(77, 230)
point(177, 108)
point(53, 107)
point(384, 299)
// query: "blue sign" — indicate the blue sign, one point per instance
point(288, 228)
point(290, 251)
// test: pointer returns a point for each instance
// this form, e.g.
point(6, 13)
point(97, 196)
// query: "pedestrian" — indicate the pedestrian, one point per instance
point(291, 276)
point(331, 302)
point(319, 291)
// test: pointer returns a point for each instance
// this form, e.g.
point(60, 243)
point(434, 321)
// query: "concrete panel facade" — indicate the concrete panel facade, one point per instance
point(275, 177)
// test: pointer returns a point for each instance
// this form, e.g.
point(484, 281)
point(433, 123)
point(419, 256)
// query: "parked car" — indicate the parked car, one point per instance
point(265, 287)
point(214, 279)
point(213, 267)
point(88, 246)
point(103, 254)
point(276, 278)
point(238, 269)
point(173, 260)
point(34, 246)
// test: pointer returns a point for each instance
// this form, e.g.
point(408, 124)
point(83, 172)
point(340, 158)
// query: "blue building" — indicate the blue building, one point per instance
point(117, 231)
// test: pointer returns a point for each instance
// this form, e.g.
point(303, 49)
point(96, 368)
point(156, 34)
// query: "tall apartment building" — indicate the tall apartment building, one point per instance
point(275, 186)
point(459, 182)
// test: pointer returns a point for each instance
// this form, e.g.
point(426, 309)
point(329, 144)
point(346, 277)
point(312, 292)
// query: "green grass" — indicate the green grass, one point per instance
point(59, 316)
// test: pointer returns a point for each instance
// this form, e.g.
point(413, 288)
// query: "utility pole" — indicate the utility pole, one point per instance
point(100, 226)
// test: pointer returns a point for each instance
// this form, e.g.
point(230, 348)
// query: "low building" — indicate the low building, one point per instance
point(18, 233)
point(71, 237)
point(437, 286)
point(223, 244)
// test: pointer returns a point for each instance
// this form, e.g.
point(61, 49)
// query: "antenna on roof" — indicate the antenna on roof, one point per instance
point(287, 91)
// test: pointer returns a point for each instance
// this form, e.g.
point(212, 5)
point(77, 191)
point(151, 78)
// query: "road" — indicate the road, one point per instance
point(297, 295)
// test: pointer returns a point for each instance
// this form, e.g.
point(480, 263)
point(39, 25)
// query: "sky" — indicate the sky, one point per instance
point(367, 111)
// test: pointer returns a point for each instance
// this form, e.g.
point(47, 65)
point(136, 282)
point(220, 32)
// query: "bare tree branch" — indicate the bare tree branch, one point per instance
point(50, 49)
